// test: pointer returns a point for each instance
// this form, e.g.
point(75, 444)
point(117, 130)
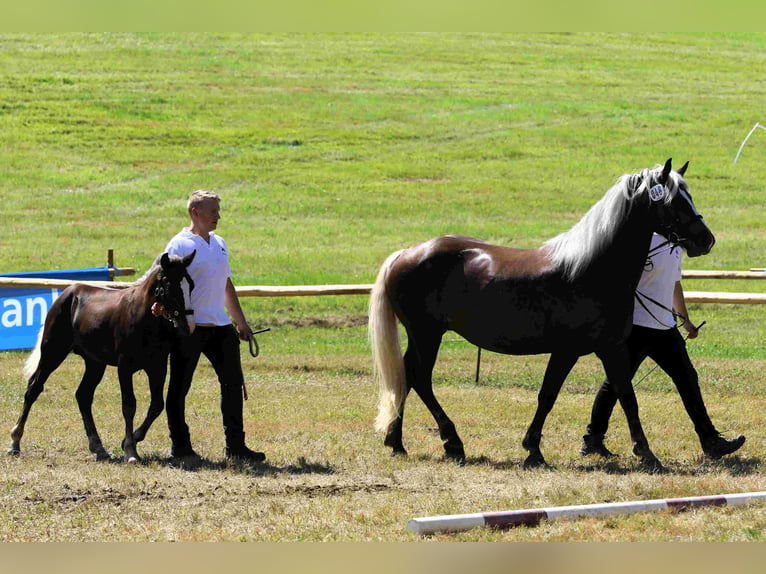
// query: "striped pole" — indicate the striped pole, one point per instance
point(534, 516)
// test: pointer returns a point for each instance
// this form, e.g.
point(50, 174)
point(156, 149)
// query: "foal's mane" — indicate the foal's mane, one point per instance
point(149, 272)
point(572, 251)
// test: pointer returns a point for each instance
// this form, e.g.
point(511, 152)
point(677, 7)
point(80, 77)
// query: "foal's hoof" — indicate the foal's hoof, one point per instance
point(14, 452)
point(102, 454)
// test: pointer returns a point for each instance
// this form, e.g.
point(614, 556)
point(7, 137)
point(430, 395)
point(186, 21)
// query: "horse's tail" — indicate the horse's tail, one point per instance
point(383, 331)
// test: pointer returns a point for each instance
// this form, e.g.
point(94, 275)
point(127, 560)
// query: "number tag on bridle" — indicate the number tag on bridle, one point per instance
point(657, 193)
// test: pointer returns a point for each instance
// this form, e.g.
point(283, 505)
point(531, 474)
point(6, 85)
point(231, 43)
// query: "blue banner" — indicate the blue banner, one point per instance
point(23, 310)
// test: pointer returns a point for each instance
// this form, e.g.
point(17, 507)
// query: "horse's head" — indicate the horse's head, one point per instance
point(676, 217)
point(173, 287)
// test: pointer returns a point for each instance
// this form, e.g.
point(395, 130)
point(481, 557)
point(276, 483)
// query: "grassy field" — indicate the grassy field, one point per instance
point(331, 151)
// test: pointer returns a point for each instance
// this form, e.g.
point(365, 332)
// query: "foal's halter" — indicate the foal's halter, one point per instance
point(170, 303)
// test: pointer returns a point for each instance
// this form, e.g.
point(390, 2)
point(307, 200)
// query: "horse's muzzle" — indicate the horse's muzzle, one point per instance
point(701, 246)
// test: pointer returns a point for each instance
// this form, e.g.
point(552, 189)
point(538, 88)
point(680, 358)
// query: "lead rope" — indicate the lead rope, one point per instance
point(650, 371)
point(254, 352)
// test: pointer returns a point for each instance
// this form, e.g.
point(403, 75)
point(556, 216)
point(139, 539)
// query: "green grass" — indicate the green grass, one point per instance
point(330, 152)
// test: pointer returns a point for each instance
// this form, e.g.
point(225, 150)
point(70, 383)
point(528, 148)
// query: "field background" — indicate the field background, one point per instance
point(330, 152)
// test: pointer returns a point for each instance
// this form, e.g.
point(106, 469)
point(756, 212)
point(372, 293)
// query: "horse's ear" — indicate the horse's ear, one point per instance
point(666, 171)
point(682, 171)
point(164, 260)
point(189, 258)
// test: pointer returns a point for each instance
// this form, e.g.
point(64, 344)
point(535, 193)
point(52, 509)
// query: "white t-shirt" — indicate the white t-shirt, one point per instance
point(658, 281)
point(210, 270)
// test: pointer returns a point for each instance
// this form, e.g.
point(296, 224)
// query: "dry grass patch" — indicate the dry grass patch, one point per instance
point(328, 477)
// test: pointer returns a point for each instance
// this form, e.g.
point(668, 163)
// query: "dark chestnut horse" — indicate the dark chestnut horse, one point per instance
point(110, 326)
point(571, 297)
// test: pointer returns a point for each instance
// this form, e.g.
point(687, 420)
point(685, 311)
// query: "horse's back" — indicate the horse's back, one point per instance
point(504, 299)
point(104, 322)
point(467, 262)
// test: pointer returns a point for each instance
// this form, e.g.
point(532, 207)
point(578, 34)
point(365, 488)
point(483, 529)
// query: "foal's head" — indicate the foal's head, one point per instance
point(173, 287)
point(677, 218)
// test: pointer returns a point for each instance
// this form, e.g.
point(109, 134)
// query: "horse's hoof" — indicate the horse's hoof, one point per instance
point(133, 459)
point(14, 451)
point(653, 465)
point(398, 452)
point(535, 461)
point(456, 457)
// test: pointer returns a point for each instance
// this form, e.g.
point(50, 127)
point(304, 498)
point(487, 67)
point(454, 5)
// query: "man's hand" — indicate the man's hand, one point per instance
point(244, 331)
point(691, 329)
point(158, 310)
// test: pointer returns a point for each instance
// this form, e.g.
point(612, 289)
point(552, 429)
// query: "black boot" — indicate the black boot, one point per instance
point(236, 449)
point(594, 444)
point(717, 446)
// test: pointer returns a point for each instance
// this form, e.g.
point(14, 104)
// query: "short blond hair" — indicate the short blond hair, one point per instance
point(197, 197)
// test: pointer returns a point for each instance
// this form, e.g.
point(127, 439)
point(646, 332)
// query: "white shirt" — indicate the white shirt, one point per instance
point(210, 271)
point(658, 282)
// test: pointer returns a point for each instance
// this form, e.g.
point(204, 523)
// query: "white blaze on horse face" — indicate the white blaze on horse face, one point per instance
point(187, 304)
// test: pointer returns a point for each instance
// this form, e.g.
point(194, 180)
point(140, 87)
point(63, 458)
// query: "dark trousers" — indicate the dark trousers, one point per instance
point(221, 347)
point(668, 349)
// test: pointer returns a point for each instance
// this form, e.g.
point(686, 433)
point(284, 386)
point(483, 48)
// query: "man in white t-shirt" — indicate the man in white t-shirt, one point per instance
point(214, 334)
point(659, 300)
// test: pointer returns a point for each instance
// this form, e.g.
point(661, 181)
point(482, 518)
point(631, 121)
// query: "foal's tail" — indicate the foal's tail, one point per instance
point(30, 366)
point(383, 331)
point(58, 328)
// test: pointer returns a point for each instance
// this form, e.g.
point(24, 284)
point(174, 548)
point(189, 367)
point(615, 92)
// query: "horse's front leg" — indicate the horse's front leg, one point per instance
point(559, 366)
point(125, 374)
point(617, 366)
point(156, 374)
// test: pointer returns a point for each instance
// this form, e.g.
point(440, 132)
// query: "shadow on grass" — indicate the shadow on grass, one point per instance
point(195, 464)
point(734, 465)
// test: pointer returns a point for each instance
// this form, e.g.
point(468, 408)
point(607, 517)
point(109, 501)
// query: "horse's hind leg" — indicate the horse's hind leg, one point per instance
point(419, 361)
point(156, 376)
point(50, 353)
point(394, 431)
point(559, 366)
point(94, 372)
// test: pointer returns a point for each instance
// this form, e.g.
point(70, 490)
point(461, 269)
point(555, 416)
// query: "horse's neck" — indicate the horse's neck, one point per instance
point(622, 261)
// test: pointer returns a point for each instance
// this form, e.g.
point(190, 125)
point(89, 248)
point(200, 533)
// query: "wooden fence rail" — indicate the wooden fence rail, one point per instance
point(364, 289)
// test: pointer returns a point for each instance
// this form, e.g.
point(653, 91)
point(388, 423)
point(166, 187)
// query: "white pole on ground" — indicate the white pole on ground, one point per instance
point(534, 516)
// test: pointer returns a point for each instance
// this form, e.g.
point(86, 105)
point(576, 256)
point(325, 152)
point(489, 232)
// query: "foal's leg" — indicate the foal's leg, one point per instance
point(125, 374)
point(559, 366)
point(419, 361)
point(617, 366)
point(53, 351)
point(156, 374)
point(94, 372)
